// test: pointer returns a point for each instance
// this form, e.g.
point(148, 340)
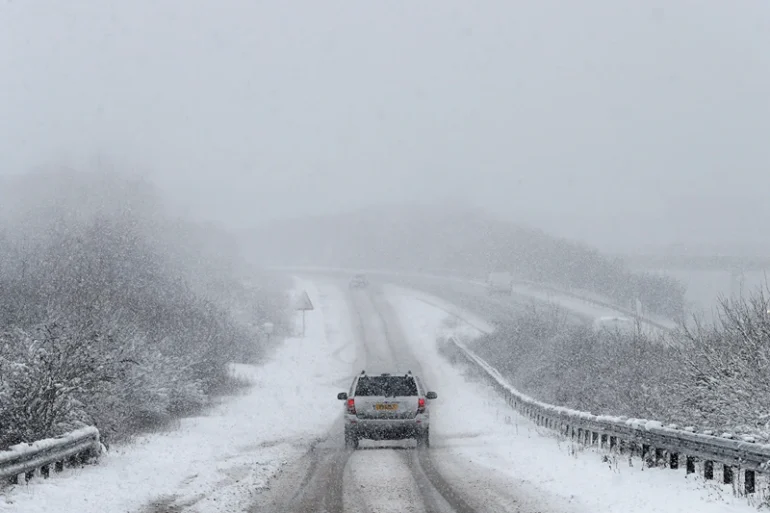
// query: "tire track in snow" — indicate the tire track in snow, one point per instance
point(448, 484)
point(379, 480)
point(438, 495)
point(376, 351)
point(313, 484)
point(330, 479)
point(323, 481)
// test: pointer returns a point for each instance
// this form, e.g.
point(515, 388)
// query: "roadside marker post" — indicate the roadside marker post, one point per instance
point(304, 304)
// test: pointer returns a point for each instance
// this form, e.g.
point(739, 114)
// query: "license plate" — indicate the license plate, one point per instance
point(381, 406)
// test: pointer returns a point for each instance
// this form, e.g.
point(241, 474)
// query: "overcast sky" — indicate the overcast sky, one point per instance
point(622, 123)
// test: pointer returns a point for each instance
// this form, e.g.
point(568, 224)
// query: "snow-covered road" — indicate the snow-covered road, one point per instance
point(472, 295)
point(393, 476)
point(279, 447)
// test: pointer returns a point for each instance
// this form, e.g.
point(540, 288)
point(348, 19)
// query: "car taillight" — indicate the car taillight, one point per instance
point(352, 406)
point(420, 405)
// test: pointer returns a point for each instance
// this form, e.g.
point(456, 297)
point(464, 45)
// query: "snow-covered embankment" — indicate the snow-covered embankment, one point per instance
point(221, 460)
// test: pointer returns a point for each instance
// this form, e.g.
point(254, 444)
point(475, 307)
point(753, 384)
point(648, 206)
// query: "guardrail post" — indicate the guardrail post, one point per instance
point(658, 456)
point(708, 469)
point(673, 461)
point(727, 474)
point(690, 464)
point(749, 483)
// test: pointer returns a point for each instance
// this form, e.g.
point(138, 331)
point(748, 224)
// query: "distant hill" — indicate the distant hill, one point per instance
point(465, 240)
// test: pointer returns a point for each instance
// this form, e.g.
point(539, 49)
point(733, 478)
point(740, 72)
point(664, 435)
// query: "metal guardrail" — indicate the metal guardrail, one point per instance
point(22, 461)
point(733, 461)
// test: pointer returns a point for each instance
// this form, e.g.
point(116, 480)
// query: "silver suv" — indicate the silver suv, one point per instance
point(387, 407)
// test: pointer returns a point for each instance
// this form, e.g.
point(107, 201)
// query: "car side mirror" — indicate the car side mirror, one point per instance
point(431, 395)
point(342, 396)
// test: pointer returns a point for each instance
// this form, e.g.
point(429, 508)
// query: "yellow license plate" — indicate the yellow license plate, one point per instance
point(380, 406)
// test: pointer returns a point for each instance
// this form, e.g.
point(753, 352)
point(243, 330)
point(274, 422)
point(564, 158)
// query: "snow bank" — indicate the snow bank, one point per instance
point(472, 423)
point(227, 456)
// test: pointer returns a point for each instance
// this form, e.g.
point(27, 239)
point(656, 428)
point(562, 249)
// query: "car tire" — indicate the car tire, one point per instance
point(423, 439)
point(351, 440)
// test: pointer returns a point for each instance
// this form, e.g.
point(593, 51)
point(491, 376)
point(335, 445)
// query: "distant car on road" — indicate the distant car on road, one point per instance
point(387, 407)
point(359, 281)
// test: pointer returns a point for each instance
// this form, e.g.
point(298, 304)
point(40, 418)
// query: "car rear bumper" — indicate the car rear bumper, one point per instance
point(390, 429)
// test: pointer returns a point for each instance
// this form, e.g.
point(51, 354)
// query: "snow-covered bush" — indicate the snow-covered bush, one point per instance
point(710, 376)
point(44, 372)
point(111, 312)
point(727, 365)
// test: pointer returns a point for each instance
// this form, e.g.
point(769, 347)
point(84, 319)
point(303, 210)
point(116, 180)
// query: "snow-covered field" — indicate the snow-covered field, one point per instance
point(218, 462)
point(705, 287)
point(586, 305)
point(472, 423)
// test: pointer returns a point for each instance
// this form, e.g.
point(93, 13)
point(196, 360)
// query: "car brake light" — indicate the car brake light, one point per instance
point(421, 405)
point(352, 406)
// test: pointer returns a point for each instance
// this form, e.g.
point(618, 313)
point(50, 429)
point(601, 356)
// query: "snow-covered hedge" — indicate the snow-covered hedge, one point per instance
point(712, 377)
point(111, 312)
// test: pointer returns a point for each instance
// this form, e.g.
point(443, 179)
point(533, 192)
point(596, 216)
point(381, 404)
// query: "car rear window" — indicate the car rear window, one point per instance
point(386, 386)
